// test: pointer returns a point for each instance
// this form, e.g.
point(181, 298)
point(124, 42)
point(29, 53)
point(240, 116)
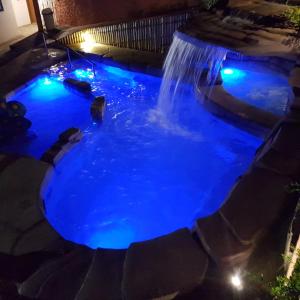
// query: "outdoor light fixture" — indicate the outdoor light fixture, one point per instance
point(236, 282)
point(89, 42)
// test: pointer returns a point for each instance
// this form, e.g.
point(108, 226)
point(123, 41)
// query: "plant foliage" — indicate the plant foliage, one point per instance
point(293, 15)
point(287, 288)
point(209, 4)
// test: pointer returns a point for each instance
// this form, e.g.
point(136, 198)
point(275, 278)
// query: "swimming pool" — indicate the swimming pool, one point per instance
point(130, 178)
point(257, 85)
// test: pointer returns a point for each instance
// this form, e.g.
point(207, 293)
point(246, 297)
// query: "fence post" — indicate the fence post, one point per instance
point(38, 15)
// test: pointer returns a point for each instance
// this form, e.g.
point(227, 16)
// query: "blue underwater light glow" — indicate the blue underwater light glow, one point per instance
point(257, 85)
point(132, 178)
point(232, 74)
point(227, 71)
point(47, 81)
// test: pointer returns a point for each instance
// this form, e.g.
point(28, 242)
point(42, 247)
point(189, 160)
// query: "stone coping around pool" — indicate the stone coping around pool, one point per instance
point(243, 36)
point(235, 108)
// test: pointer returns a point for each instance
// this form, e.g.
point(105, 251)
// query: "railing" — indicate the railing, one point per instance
point(68, 49)
point(153, 34)
point(93, 65)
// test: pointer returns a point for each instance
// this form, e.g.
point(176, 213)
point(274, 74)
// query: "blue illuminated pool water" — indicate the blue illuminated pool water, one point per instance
point(131, 179)
point(257, 85)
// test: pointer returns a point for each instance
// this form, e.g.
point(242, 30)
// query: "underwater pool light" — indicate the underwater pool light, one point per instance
point(228, 71)
point(47, 81)
point(232, 74)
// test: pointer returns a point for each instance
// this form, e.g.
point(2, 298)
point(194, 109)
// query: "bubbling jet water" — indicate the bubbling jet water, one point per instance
point(188, 62)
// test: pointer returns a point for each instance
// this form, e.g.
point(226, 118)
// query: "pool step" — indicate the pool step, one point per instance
point(103, 279)
point(60, 278)
point(163, 267)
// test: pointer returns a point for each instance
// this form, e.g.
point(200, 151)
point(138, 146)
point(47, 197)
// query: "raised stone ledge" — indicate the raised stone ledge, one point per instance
point(20, 200)
point(221, 244)
point(287, 141)
point(64, 144)
point(255, 203)
point(163, 267)
point(236, 107)
point(277, 162)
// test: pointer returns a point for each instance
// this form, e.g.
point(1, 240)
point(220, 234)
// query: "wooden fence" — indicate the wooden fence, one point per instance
point(153, 34)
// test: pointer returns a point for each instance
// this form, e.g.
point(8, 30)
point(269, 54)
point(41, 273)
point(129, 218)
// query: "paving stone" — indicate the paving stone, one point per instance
point(65, 283)
point(294, 79)
point(293, 114)
point(20, 187)
point(163, 266)
point(6, 160)
point(255, 203)
point(39, 237)
point(8, 237)
point(287, 140)
point(218, 240)
point(296, 102)
point(33, 285)
point(296, 91)
point(20, 268)
point(104, 276)
point(260, 40)
point(278, 163)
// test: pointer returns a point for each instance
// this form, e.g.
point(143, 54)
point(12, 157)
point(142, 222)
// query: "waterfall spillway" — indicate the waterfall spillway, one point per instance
point(189, 61)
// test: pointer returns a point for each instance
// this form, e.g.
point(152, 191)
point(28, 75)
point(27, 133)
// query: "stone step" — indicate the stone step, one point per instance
point(258, 197)
point(20, 268)
point(34, 284)
point(220, 243)
point(65, 282)
point(163, 267)
point(103, 280)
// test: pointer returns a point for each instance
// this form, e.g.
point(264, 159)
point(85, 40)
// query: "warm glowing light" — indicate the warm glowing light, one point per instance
point(228, 71)
point(236, 281)
point(89, 42)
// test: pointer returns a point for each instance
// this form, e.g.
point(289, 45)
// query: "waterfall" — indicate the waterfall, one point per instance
point(189, 62)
